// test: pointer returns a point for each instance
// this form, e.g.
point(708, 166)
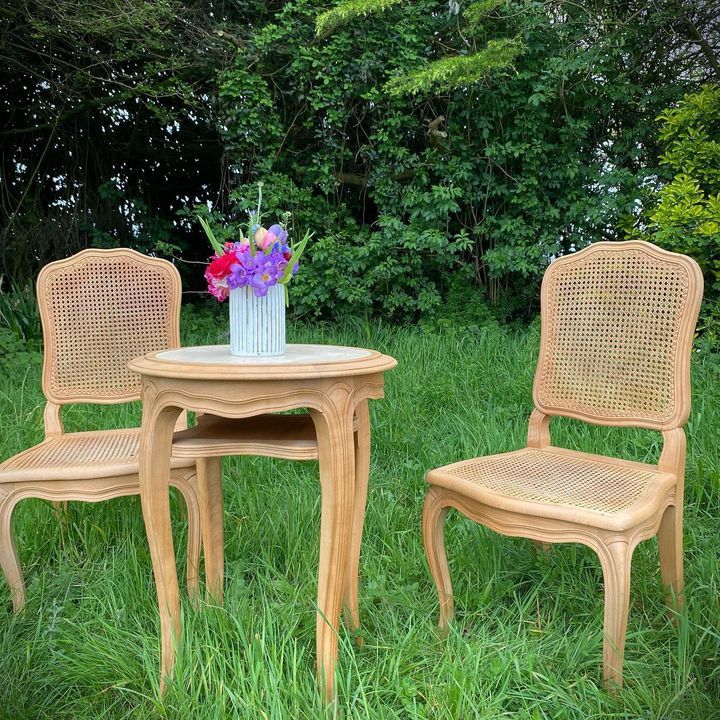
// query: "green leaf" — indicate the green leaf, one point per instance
point(298, 250)
point(346, 11)
point(217, 247)
point(458, 71)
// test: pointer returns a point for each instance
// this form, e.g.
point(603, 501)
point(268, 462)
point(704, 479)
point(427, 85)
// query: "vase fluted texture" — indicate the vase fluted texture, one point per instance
point(257, 324)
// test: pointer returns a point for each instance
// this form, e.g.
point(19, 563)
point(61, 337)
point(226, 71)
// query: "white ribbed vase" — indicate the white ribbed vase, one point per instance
point(257, 324)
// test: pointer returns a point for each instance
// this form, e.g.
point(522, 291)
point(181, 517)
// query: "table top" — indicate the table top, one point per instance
point(298, 361)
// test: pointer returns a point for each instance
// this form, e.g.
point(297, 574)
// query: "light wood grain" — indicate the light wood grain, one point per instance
point(617, 329)
point(335, 392)
point(98, 309)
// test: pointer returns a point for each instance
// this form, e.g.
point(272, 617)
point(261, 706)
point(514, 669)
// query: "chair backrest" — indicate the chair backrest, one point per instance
point(617, 327)
point(99, 309)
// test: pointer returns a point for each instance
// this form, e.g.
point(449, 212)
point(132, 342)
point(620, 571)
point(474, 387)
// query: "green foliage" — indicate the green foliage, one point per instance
point(687, 219)
point(348, 10)
point(105, 121)
point(20, 331)
point(476, 12)
point(464, 166)
point(686, 216)
point(19, 315)
point(459, 71)
point(425, 138)
point(690, 133)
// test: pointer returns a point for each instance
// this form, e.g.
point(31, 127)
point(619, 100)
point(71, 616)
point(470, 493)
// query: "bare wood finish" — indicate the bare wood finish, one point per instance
point(335, 391)
point(290, 437)
point(362, 474)
point(617, 327)
point(209, 471)
point(99, 309)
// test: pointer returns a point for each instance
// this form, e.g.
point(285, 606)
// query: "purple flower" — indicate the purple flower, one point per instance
point(238, 276)
point(279, 232)
point(239, 270)
point(260, 271)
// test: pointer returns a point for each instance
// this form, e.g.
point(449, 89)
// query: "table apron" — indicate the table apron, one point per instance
point(237, 398)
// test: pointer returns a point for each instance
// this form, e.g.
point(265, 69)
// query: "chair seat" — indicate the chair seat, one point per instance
point(291, 437)
point(80, 456)
point(562, 484)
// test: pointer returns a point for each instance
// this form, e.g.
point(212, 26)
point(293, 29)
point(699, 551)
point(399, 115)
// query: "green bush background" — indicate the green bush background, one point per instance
point(438, 150)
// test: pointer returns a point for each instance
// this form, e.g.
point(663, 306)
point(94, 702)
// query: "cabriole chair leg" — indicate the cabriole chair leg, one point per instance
point(671, 559)
point(434, 514)
point(8, 555)
point(616, 560)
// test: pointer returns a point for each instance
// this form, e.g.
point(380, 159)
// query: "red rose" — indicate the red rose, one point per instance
point(220, 267)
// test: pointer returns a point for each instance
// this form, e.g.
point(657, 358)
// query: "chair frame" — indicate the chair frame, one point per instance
point(614, 547)
point(92, 489)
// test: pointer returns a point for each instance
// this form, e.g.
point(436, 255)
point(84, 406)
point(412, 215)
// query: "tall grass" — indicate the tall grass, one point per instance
point(527, 639)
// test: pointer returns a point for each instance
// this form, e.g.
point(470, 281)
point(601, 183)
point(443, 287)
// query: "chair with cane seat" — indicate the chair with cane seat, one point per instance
point(617, 328)
point(99, 309)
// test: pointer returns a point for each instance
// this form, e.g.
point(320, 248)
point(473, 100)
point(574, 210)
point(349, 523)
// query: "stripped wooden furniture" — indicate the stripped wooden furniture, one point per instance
point(288, 437)
point(334, 384)
point(99, 309)
point(617, 328)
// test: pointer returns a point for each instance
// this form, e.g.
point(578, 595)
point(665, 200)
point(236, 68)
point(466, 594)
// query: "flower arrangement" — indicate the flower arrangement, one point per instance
point(260, 259)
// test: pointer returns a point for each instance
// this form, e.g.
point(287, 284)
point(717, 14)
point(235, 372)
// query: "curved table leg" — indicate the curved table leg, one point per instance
point(334, 428)
point(209, 473)
point(362, 471)
point(155, 449)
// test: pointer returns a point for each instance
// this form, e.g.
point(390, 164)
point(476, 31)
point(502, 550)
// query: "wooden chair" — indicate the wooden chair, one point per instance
point(617, 329)
point(99, 309)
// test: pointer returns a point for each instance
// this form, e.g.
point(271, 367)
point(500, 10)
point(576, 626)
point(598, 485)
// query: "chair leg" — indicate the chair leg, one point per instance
point(188, 489)
point(616, 561)
point(209, 474)
point(362, 472)
point(8, 555)
point(434, 513)
point(670, 549)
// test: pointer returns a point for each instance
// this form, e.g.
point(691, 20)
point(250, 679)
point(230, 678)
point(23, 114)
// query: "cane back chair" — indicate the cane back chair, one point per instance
point(99, 309)
point(617, 327)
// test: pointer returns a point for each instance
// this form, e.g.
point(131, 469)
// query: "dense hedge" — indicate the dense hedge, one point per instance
point(433, 148)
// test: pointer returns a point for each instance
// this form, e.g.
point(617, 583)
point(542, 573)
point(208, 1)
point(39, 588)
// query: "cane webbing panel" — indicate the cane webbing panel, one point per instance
point(558, 478)
point(100, 310)
point(615, 329)
point(95, 454)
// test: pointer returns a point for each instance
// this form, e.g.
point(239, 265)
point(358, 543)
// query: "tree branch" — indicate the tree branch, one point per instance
point(106, 101)
point(704, 45)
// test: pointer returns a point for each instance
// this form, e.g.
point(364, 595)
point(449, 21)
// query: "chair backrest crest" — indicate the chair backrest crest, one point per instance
point(99, 309)
point(617, 329)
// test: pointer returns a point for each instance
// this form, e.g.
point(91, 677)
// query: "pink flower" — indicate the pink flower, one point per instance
point(216, 287)
point(268, 241)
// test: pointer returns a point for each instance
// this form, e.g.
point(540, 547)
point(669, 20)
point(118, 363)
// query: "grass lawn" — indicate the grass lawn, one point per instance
point(527, 639)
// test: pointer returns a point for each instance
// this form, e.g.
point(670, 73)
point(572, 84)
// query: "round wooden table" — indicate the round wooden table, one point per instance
point(334, 383)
